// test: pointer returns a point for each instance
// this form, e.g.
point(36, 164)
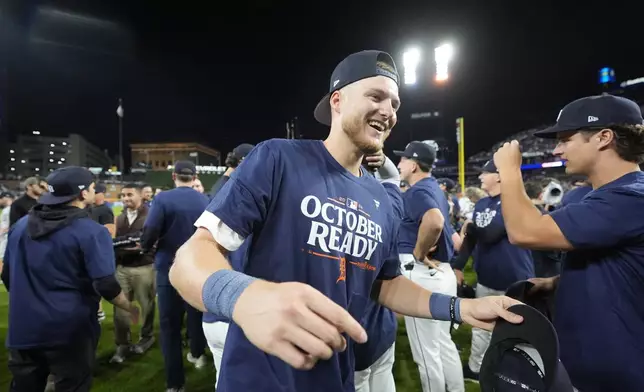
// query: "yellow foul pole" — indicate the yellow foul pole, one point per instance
point(460, 139)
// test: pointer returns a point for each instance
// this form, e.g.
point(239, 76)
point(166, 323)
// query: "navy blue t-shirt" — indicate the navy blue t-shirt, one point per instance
point(497, 262)
point(379, 322)
point(52, 300)
point(599, 314)
point(423, 196)
point(171, 221)
point(314, 222)
point(575, 195)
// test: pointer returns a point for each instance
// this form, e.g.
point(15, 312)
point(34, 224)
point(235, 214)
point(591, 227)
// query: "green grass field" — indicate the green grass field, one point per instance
point(145, 373)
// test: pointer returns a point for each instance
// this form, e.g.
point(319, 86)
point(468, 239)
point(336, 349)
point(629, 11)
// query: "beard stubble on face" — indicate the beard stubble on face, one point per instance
point(354, 128)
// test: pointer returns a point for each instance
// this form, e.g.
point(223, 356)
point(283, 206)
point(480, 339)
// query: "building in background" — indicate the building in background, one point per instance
point(158, 156)
point(37, 154)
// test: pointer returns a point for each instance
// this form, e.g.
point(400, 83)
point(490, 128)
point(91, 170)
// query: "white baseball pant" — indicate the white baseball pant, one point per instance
point(378, 377)
point(215, 334)
point(439, 363)
point(480, 338)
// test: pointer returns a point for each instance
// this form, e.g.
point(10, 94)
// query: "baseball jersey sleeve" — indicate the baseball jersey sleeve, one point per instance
point(243, 202)
point(603, 219)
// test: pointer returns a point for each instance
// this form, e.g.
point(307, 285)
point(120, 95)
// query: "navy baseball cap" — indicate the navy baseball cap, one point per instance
point(242, 150)
point(418, 151)
point(66, 184)
point(355, 67)
point(524, 357)
point(6, 194)
point(489, 167)
point(185, 167)
point(100, 188)
point(447, 182)
point(593, 112)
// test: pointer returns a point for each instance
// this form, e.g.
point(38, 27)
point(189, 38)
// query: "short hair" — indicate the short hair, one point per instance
point(145, 186)
point(628, 141)
point(32, 181)
point(425, 168)
point(132, 185)
point(533, 188)
point(185, 177)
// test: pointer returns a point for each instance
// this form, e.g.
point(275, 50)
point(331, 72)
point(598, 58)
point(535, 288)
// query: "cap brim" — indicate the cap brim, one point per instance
point(399, 153)
point(551, 132)
point(322, 112)
point(49, 199)
point(535, 330)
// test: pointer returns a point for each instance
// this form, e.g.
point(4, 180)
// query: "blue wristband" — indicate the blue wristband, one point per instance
point(222, 290)
point(445, 307)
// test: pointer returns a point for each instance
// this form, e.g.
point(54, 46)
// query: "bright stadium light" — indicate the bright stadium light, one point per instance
point(443, 55)
point(411, 59)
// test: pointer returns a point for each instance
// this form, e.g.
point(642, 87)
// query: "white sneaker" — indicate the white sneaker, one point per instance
point(198, 362)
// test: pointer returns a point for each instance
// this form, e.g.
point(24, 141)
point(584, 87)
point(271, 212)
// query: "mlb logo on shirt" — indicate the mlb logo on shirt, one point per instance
point(352, 204)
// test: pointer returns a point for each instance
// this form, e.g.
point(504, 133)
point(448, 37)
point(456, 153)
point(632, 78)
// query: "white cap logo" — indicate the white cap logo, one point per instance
point(559, 114)
point(592, 119)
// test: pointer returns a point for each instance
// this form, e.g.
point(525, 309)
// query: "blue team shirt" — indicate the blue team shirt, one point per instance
point(497, 262)
point(599, 314)
point(379, 322)
point(171, 221)
point(311, 221)
point(425, 195)
point(52, 301)
point(575, 195)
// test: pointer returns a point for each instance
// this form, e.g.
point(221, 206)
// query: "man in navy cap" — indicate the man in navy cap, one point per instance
point(598, 313)
point(169, 224)
point(234, 158)
point(425, 225)
point(57, 260)
point(498, 263)
point(322, 236)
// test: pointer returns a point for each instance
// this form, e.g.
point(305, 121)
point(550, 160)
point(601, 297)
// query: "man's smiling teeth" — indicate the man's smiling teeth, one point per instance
point(380, 127)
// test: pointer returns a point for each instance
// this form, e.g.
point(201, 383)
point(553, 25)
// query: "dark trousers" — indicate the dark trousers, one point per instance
point(71, 367)
point(171, 311)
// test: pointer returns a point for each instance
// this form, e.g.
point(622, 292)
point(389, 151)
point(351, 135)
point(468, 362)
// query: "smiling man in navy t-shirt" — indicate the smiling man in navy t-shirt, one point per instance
point(323, 232)
point(599, 313)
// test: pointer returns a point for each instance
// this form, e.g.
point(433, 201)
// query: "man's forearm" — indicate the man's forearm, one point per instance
point(518, 210)
point(405, 297)
point(428, 235)
point(195, 261)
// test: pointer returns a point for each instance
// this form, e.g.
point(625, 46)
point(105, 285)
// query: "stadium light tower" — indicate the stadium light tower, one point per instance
point(411, 59)
point(443, 55)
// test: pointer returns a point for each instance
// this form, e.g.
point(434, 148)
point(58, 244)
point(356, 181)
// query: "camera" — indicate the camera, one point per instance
point(552, 194)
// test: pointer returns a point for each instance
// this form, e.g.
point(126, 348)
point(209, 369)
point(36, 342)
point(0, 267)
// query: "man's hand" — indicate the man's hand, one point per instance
point(431, 263)
point(294, 322)
point(508, 157)
point(375, 161)
point(483, 312)
point(543, 285)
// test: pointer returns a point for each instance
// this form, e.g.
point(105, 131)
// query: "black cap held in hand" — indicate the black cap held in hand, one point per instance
point(66, 184)
point(355, 67)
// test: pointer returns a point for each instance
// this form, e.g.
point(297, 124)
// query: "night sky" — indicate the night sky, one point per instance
point(223, 73)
